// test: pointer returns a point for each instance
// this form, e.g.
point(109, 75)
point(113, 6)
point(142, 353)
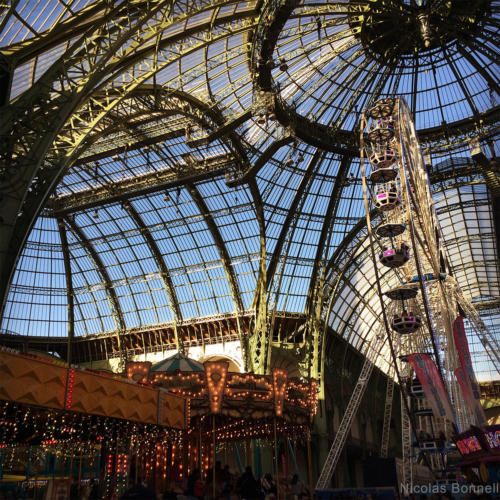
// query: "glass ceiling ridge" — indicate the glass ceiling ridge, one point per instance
point(176, 271)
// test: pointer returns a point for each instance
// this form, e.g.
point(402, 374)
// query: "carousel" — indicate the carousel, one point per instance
point(234, 418)
point(159, 422)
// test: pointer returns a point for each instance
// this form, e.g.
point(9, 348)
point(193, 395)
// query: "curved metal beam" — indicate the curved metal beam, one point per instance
point(479, 68)
point(69, 288)
point(32, 123)
point(139, 186)
point(349, 238)
point(330, 216)
point(266, 155)
point(219, 243)
point(261, 285)
point(158, 257)
point(155, 100)
point(301, 189)
point(315, 293)
point(60, 32)
point(260, 342)
point(259, 211)
point(28, 129)
point(101, 269)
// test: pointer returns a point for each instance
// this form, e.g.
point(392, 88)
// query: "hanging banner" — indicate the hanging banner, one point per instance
point(471, 402)
point(432, 384)
point(464, 355)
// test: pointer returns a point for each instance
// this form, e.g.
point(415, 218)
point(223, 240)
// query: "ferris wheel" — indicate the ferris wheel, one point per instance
point(423, 313)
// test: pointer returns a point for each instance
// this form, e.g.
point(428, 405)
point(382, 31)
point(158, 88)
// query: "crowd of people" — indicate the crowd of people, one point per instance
point(228, 486)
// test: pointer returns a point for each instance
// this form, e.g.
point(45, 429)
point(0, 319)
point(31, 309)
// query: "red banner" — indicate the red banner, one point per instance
point(471, 402)
point(432, 384)
point(466, 377)
point(464, 355)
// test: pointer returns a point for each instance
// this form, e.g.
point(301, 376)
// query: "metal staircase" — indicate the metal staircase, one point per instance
point(406, 433)
point(389, 396)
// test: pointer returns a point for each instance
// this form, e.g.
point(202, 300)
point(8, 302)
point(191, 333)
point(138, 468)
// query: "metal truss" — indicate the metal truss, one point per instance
point(70, 294)
point(219, 243)
point(128, 134)
point(351, 411)
point(291, 212)
point(386, 425)
point(160, 262)
point(215, 329)
point(315, 298)
point(108, 285)
point(96, 100)
point(140, 185)
point(116, 42)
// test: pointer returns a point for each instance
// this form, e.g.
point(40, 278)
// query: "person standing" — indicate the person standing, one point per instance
point(139, 492)
point(74, 491)
point(247, 485)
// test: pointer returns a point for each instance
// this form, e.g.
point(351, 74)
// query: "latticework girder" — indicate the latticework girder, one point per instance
point(40, 113)
point(386, 423)
point(350, 413)
point(219, 243)
point(69, 287)
point(107, 283)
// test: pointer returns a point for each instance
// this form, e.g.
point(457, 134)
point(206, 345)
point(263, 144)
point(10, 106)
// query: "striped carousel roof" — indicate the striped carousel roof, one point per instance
point(178, 362)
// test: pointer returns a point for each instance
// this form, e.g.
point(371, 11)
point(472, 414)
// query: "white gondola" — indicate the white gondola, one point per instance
point(383, 158)
point(402, 293)
point(395, 257)
point(390, 230)
point(386, 200)
point(406, 323)
point(383, 131)
point(382, 109)
point(383, 175)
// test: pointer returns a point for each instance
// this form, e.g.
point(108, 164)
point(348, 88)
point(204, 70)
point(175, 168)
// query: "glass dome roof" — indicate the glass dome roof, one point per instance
point(157, 233)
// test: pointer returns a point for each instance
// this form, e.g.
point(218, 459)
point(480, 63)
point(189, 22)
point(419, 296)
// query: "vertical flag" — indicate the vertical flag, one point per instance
point(465, 376)
point(432, 384)
point(477, 409)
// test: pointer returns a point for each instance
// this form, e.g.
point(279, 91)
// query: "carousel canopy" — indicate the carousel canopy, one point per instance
point(178, 362)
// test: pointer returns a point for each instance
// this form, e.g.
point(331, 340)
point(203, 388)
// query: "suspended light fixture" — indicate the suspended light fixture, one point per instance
point(95, 215)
